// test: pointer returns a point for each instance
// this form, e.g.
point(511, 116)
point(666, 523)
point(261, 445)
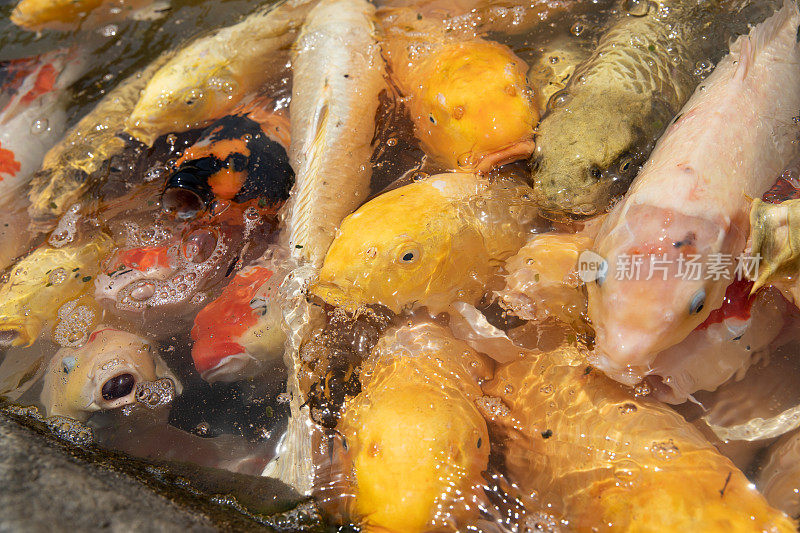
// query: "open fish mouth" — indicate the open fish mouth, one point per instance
point(503, 156)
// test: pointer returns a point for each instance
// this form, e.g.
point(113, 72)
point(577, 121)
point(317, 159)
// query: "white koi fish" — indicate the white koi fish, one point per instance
point(692, 200)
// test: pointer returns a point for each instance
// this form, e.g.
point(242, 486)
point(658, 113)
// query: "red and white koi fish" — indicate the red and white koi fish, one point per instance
point(240, 330)
point(34, 96)
point(692, 198)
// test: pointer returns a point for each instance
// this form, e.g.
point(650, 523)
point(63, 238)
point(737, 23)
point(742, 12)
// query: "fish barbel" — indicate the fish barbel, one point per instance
point(37, 286)
point(428, 243)
point(68, 168)
point(609, 461)
point(209, 77)
point(603, 124)
point(691, 201)
point(338, 74)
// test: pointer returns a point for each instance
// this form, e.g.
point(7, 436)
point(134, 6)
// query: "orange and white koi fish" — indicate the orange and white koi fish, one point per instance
point(691, 199)
point(236, 334)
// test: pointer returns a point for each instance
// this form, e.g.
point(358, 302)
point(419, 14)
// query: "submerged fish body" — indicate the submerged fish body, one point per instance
point(35, 288)
point(447, 80)
point(240, 157)
point(33, 115)
point(102, 374)
point(429, 243)
point(608, 461)
point(165, 270)
point(235, 335)
point(690, 202)
point(209, 77)
point(72, 165)
point(779, 476)
point(338, 74)
point(543, 280)
point(416, 442)
point(603, 124)
point(71, 15)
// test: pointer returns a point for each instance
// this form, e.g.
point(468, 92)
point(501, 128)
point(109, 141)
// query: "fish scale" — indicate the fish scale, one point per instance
point(618, 101)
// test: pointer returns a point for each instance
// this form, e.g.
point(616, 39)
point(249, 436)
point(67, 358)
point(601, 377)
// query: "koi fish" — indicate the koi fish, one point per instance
point(210, 77)
point(35, 288)
point(71, 15)
point(102, 374)
point(462, 229)
point(238, 158)
point(691, 200)
point(70, 167)
point(608, 461)
point(238, 332)
point(416, 442)
point(619, 100)
point(447, 79)
point(337, 76)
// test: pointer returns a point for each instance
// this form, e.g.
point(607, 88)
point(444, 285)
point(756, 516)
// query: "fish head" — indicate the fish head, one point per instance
point(397, 250)
point(181, 97)
point(102, 374)
point(235, 160)
point(241, 328)
point(472, 107)
point(582, 158)
point(655, 284)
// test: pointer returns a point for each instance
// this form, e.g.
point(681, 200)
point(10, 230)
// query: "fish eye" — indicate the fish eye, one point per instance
point(118, 387)
point(199, 245)
point(432, 119)
point(409, 255)
point(698, 301)
point(68, 364)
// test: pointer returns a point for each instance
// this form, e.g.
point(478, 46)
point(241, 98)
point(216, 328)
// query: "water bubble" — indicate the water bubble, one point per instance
point(143, 291)
point(109, 31)
point(641, 389)
point(172, 139)
point(627, 408)
point(391, 141)
point(558, 99)
point(627, 472)
point(665, 450)
point(39, 126)
point(156, 393)
point(637, 8)
point(577, 29)
point(56, 276)
point(703, 68)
